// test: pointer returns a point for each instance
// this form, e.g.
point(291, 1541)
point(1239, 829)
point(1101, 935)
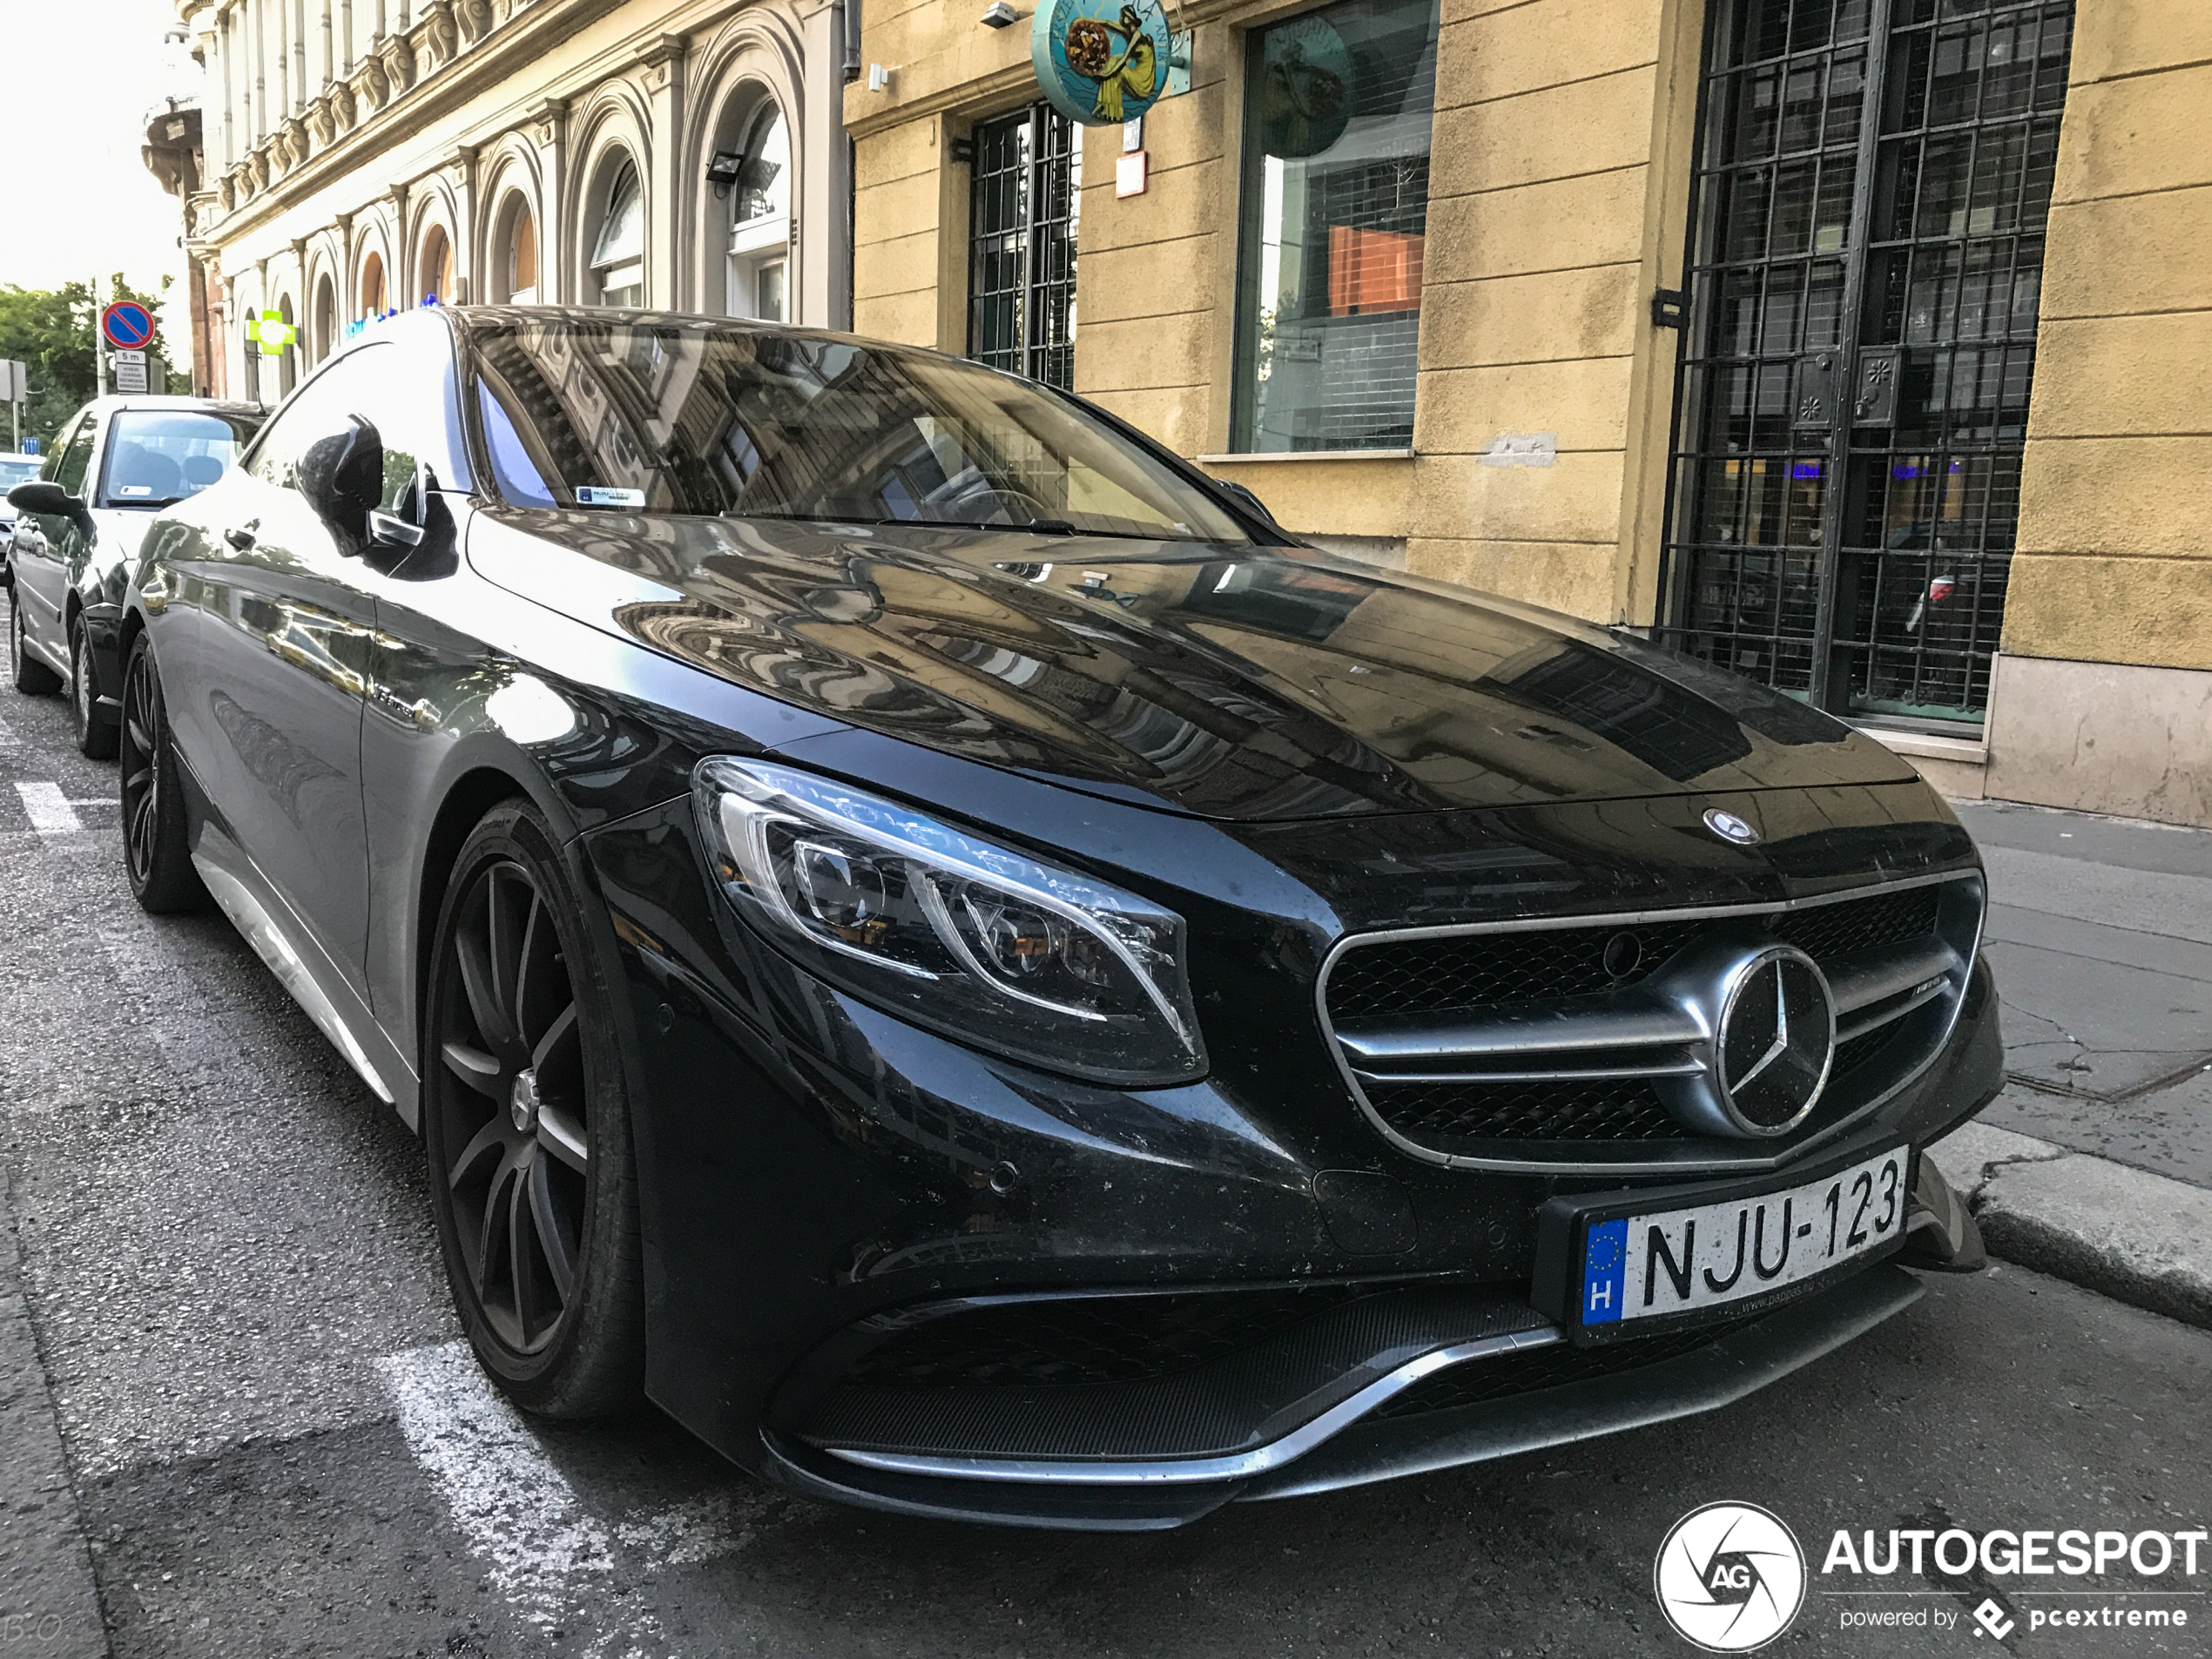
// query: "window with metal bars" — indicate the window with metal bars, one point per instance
point(1866, 257)
point(1026, 207)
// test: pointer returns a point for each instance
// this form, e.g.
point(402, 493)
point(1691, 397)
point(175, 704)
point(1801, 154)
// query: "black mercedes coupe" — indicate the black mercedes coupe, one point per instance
point(933, 940)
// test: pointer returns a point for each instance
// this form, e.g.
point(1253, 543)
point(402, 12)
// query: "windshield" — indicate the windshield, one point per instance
point(17, 471)
point(758, 424)
point(156, 457)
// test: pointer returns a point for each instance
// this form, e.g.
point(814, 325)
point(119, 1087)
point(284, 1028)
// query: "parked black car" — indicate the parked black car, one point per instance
point(988, 981)
point(116, 461)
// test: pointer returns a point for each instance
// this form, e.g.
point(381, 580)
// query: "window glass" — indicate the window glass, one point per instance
point(75, 458)
point(763, 177)
point(522, 259)
point(1337, 106)
point(13, 472)
point(370, 381)
point(157, 456)
point(755, 424)
point(618, 257)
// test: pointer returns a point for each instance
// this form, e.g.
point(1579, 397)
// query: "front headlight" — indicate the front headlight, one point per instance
point(982, 943)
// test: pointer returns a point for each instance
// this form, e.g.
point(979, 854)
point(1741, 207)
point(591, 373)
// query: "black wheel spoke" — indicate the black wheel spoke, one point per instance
point(492, 1138)
point(522, 1257)
point(558, 1051)
point(480, 1071)
point(503, 947)
point(498, 1196)
point(476, 982)
point(560, 1136)
point(552, 1241)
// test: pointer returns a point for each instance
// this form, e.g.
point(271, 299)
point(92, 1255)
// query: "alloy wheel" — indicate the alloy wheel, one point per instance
point(141, 777)
point(512, 1099)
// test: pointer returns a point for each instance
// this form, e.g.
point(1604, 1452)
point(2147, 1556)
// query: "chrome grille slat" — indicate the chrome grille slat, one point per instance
point(1572, 1083)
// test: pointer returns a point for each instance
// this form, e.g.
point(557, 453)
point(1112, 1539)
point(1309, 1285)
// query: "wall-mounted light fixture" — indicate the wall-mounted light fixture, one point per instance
point(722, 171)
point(879, 78)
point(1002, 16)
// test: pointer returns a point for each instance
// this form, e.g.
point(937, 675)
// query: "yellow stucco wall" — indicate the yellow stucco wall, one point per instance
point(2115, 533)
point(1549, 227)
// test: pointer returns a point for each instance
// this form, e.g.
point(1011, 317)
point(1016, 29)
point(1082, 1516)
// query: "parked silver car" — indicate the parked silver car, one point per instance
point(77, 529)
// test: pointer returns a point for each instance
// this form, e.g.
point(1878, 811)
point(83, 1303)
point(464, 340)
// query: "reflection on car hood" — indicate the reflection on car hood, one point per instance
point(1230, 683)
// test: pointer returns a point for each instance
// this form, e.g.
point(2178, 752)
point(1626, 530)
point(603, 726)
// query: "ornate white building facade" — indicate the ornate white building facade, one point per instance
point(353, 157)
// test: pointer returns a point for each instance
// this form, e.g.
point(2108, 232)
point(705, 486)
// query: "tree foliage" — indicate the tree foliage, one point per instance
point(50, 332)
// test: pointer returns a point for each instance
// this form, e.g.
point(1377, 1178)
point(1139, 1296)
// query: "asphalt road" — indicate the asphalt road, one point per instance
point(274, 1447)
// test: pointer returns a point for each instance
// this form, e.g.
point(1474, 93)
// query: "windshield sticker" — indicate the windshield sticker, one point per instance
point(134, 490)
point(607, 496)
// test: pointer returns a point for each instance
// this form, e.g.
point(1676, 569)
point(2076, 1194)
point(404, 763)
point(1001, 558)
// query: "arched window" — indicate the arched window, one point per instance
point(373, 304)
point(760, 219)
point(433, 271)
point(618, 255)
point(325, 329)
point(522, 257)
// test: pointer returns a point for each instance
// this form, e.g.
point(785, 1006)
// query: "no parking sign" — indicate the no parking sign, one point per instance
point(127, 325)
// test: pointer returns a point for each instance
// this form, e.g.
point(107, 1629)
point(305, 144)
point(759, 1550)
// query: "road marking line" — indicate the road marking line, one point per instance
point(515, 1508)
point(519, 1512)
point(48, 809)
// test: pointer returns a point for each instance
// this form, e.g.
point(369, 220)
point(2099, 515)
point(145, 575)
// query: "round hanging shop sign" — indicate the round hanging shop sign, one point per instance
point(1098, 62)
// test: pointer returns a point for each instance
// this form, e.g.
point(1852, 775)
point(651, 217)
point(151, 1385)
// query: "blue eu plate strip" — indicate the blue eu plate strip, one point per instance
point(1605, 1259)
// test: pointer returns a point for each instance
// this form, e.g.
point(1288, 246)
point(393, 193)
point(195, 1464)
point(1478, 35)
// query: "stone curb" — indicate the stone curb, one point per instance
point(2111, 1228)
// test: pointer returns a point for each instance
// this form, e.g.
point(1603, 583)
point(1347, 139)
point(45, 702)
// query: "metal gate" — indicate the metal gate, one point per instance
point(1866, 257)
point(1027, 206)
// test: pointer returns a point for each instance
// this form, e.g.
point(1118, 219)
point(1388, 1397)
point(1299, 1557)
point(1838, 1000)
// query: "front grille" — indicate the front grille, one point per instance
point(1482, 1044)
point(1527, 1370)
point(1447, 975)
point(1088, 1340)
point(1624, 1109)
point(1828, 931)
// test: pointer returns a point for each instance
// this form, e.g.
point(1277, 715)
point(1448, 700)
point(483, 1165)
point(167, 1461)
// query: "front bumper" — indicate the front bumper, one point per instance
point(819, 1180)
point(1370, 1446)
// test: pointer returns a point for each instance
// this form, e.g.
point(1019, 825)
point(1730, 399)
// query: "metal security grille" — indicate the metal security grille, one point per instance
point(1027, 206)
point(1867, 254)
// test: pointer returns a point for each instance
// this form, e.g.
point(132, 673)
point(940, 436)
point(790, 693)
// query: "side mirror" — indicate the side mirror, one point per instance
point(40, 496)
point(342, 478)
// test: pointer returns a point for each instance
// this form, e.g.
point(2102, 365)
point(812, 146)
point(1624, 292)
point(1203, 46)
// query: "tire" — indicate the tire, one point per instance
point(95, 734)
point(157, 853)
point(33, 677)
point(526, 1129)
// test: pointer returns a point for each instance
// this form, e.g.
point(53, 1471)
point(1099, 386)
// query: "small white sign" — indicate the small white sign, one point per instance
point(130, 372)
point(608, 496)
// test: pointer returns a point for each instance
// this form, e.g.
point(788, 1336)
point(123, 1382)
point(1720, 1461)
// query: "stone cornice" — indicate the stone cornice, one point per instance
point(404, 82)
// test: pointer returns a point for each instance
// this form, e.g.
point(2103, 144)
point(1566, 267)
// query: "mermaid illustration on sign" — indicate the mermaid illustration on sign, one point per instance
point(1098, 66)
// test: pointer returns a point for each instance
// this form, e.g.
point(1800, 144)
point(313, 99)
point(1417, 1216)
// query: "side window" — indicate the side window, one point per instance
point(318, 410)
point(76, 456)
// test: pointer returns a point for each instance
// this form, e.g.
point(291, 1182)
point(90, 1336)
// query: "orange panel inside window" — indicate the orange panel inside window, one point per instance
point(1374, 271)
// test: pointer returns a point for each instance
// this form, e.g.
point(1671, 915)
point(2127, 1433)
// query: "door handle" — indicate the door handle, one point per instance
point(242, 537)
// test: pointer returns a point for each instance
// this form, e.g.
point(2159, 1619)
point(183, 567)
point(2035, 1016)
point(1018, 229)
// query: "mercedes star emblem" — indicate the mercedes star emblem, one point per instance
point(1775, 1040)
point(1730, 828)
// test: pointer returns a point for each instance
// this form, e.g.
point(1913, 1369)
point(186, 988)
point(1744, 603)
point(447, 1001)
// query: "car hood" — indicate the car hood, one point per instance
point(1238, 683)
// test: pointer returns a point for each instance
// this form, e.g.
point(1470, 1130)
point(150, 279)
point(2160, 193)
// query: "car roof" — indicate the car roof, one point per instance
point(117, 404)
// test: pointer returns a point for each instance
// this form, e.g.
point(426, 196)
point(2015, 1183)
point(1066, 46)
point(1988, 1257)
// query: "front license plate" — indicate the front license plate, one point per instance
point(1660, 1265)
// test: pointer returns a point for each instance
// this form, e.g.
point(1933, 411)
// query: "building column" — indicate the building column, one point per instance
point(821, 288)
point(666, 284)
point(467, 233)
point(549, 127)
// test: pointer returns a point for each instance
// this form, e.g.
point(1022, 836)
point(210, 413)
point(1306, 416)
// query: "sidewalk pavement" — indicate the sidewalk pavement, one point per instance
point(2096, 1163)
